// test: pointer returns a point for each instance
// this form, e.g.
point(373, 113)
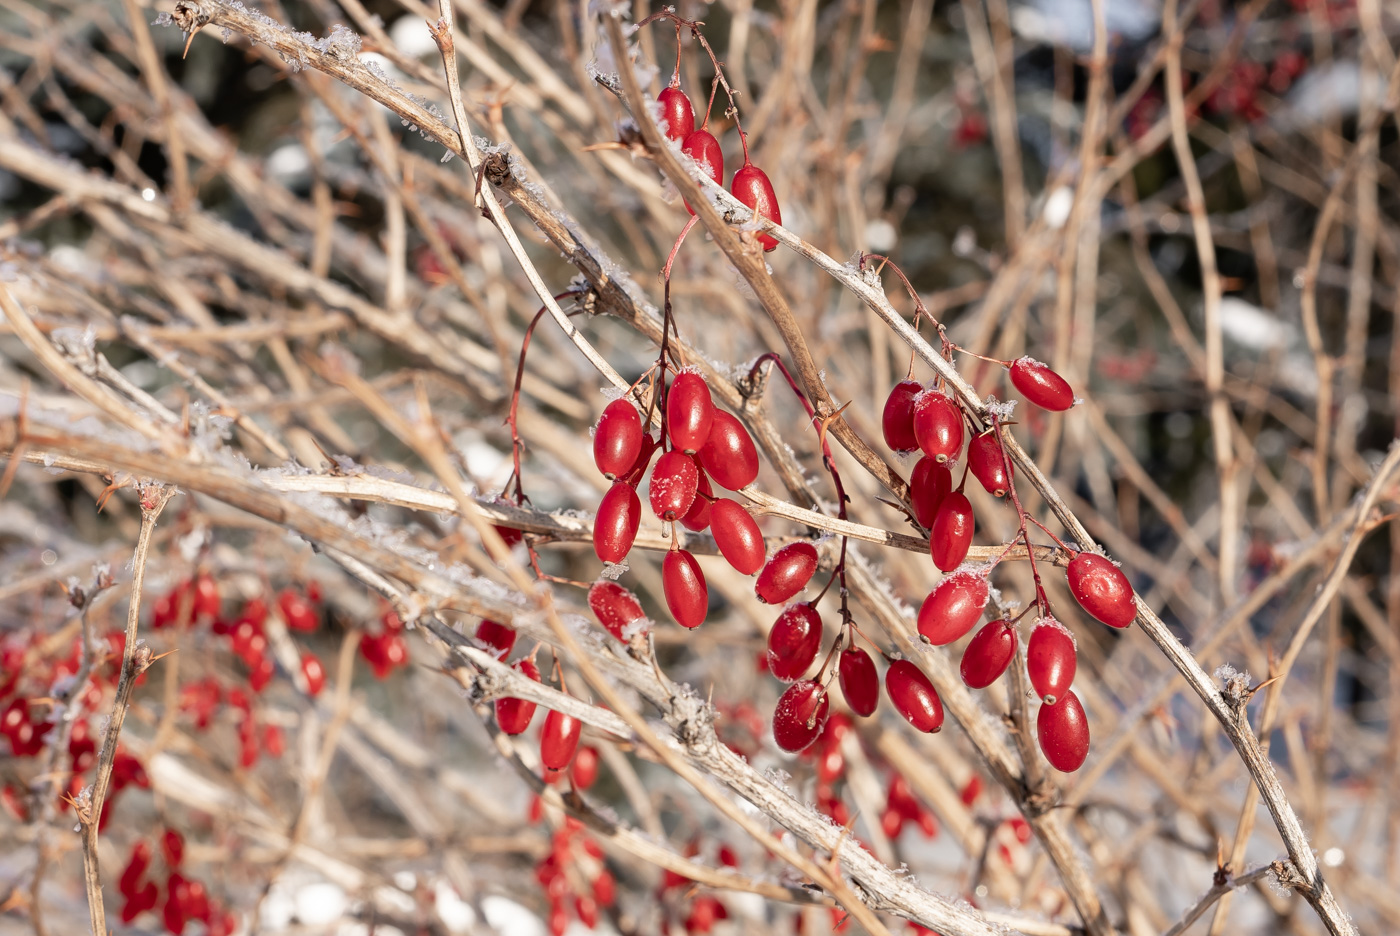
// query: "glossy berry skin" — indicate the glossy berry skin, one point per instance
point(617, 440)
point(1040, 385)
point(786, 573)
point(559, 739)
point(677, 113)
point(498, 637)
point(619, 516)
point(988, 654)
point(314, 673)
point(737, 536)
point(514, 715)
point(897, 421)
point(988, 464)
point(689, 411)
point(913, 696)
point(1050, 660)
point(929, 483)
point(697, 518)
point(751, 186)
point(729, 455)
point(952, 532)
point(938, 426)
point(794, 641)
point(702, 147)
point(860, 683)
point(1063, 730)
point(687, 596)
point(801, 715)
point(614, 606)
point(1101, 589)
point(953, 607)
point(674, 481)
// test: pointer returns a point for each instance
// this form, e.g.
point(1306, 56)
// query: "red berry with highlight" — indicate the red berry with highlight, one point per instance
point(801, 715)
point(298, 613)
point(988, 464)
point(751, 186)
point(1050, 660)
point(929, 483)
point(702, 147)
point(860, 683)
point(617, 440)
point(1063, 730)
point(953, 607)
point(674, 483)
point(584, 771)
point(614, 606)
point(619, 517)
point(1040, 385)
point(728, 455)
point(988, 654)
point(794, 641)
point(314, 673)
point(514, 715)
point(499, 638)
point(689, 411)
point(913, 696)
point(559, 739)
point(676, 112)
point(897, 421)
point(687, 596)
point(952, 532)
point(737, 536)
point(1101, 589)
point(938, 426)
point(786, 573)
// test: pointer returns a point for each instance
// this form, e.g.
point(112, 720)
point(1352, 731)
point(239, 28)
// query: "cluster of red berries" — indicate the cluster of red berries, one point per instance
point(185, 899)
point(559, 738)
point(1238, 94)
point(385, 651)
point(574, 878)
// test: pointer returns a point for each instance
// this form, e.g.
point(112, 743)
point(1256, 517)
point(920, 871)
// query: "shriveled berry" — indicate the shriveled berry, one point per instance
point(702, 147)
point(314, 673)
point(786, 573)
point(751, 186)
point(615, 607)
point(953, 607)
point(952, 532)
point(800, 716)
point(617, 440)
point(1101, 589)
point(514, 715)
point(496, 636)
point(1063, 730)
point(897, 421)
point(1040, 385)
point(794, 641)
point(737, 536)
point(559, 739)
point(988, 463)
point(1050, 660)
point(929, 483)
point(728, 454)
point(913, 696)
point(676, 113)
point(697, 518)
point(619, 517)
point(689, 411)
point(988, 654)
point(938, 426)
point(674, 483)
point(860, 683)
point(687, 596)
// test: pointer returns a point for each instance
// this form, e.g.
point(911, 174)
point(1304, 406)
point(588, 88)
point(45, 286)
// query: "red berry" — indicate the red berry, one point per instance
point(559, 739)
point(585, 769)
point(261, 673)
point(1040, 385)
point(786, 573)
point(1050, 660)
point(674, 481)
point(1102, 589)
point(728, 454)
point(938, 426)
point(687, 597)
point(617, 440)
point(737, 536)
point(676, 112)
point(988, 654)
point(751, 186)
point(497, 637)
point(953, 607)
point(1063, 730)
point(988, 464)
point(952, 532)
point(136, 867)
point(794, 641)
point(697, 518)
point(619, 516)
point(914, 696)
point(689, 411)
point(514, 715)
point(800, 716)
point(314, 673)
point(702, 147)
point(206, 597)
point(897, 421)
point(615, 607)
point(298, 613)
point(860, 683)
point(928, 485)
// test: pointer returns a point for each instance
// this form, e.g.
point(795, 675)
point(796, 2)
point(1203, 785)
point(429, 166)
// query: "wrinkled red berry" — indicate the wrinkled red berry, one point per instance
point(913, 696)
point(1063, 730)
point(786, 573)
point(1101, 589)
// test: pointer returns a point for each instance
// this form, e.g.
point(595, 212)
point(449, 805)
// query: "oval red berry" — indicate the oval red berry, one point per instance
point(794, 641)
point(953, 607)
point(988, 464)
point(1040, 385)
point(514, 715)
point(897, 421)
point(1050, 660)
point(929, 483)
point(913, 696)
point(1101, 589)
point(678, 117)
point(728, 454)
point(559, 739)
point(674, 483)
point(751, 186)
point(615, 527)
point(951, 535)
point(697, 518)
point(800, 715)
point(689, 411)
point(737, 536)
point(615, 607)
point(617, 439)
point(702, 147)
point(687, 596)
point(988, 654)
point(860, 683)
point(1063, 731)
point(786, 573)
point(938, 426)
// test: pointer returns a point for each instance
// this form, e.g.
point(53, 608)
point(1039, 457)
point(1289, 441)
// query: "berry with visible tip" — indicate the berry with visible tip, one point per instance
point(1040, 385)
point(988, 463)
point(674, 483)
point(1063, 731)
point(897, 420)
point(702, 147)
point(559, 739)
point(615, 527)
point(913, 696)
point(687, 596)
point(751, 186)
point(729, 455)
point(676, 112)
point(737, 535)
point(988, 654)
point(953, 607)
point(794, 641)
point(617, 439)
point(860, 683)
point(514, 715)
point(615, 607)
point(689, 411)
point(786, 573)
point(800, 716)
point(496, 636)
point(697, 518)
point(929, 483)
point(951, 535)
point(314, 673)
point(1101, 589)
point(1050, 660)
point(938, 426)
